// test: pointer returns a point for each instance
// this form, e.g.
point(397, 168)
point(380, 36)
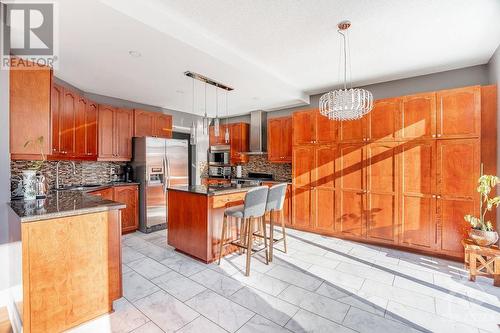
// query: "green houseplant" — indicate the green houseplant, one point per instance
point(482, 232)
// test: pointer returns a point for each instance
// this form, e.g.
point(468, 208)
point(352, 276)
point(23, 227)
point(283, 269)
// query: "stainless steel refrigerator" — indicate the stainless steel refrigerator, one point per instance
point(158, 163)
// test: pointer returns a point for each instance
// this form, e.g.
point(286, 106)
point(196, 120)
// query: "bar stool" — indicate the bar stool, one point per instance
point(275, 202)
point(251, 211)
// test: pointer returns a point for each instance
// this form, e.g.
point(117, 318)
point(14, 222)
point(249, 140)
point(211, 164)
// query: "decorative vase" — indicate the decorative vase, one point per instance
point(29, 184)
point(483, 238)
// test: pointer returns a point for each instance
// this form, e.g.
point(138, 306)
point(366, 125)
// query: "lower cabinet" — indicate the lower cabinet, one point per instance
point(128, 195)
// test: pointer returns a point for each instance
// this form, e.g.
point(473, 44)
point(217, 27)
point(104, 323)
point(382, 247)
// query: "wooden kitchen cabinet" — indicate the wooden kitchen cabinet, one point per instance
point(459, 113)
point(418, 116)
point(115, 133)
point(219, 140)
point(155, 124)
point(382, 123)
point(85, 129)
point(352, 131)
point(129, 195)
point(30, 104)
point(279, 140)
point(310, 127)
point(324, 188)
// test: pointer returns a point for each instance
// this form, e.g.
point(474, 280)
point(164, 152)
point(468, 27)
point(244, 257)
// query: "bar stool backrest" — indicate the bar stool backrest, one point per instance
point(276, 197)
point(255, 202)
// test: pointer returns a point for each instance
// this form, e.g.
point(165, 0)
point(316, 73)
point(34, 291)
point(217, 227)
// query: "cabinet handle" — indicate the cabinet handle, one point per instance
point(439, 197)
point(434, 196)
point(433, 135)
point(439, 135)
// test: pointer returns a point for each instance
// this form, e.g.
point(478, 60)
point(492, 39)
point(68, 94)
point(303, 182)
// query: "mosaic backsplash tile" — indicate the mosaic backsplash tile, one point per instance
point(86, 172)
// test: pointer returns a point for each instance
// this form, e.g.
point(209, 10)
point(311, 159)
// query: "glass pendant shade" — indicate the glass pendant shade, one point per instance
point(345, 104)
point(192, 138)
point(216, 127)
point(226, 135)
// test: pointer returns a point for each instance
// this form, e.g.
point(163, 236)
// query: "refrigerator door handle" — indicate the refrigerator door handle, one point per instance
point(167, 170)
point(165, 175)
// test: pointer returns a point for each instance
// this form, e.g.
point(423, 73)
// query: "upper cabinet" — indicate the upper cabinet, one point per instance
point(238, 140)
point(459, 113)
point(147, 123)
point(418, 116)
point(279, 140)
point(310, 127)
point(115, 133)
point(30, 101)
point(382, 123)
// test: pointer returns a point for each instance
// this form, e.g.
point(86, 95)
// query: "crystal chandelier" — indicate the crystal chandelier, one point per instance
point(345, 104)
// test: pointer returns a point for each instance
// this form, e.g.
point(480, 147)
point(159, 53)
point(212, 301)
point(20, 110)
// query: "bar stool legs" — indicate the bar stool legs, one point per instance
point(222, 238)
point(282, 218)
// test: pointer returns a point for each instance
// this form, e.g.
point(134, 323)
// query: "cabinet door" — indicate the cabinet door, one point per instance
point(303, 166)
point(274, 144)
point(67, 123)
point(143, 123)
point(235, 141)
point(128, 195)
point(163, 126)
point(459, 113)
point(91, 129)
point(80, 128)
point(351, 190)
point(457, 173)
point(106, 132)
point(325, 129)
point(56, 106)
point(352, 131)
point(286, 139)
point(418, 116)
point(123, 133)
point(383, 121)
point(381, 199)
point(106, 193)
point(324, 194)
point(418, 200)
point(303, 127)
point(301, 209)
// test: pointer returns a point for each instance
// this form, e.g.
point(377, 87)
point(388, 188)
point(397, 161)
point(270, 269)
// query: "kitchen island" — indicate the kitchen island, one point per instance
point(195, 215)
point(66, 259)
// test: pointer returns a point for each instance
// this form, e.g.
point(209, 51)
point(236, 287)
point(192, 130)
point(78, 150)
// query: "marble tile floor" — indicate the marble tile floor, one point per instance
point(323, 284)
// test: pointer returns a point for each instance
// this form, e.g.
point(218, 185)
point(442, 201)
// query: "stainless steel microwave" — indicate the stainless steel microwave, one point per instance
point(219, 155)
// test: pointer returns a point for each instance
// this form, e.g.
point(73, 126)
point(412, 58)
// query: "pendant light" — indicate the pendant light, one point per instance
point(346, 104)
point(205, 118)
point(226, 133)
point(192, 137)
point(216, 120)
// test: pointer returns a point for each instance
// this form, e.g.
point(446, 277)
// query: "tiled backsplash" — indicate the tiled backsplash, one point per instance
point(259, 163)
point(86, 172)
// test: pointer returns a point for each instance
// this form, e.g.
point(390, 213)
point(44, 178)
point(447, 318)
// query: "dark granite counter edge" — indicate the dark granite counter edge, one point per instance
point(211, 193)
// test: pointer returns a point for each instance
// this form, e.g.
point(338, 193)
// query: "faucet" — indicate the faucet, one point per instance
point(57, 172)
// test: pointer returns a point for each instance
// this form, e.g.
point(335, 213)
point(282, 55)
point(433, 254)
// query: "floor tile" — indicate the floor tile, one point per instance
point(336, 277)
point(220, 283)
point(135, 243)
point(295, 277)
point(333, 291)
point(135, 286)
point(403, 296)
point(259, 324)
point(265, 305)
point(405, 272)
point(124, 319)
point(366, 272)
point(220, 310)
point(424, 320)
point(183, 264)
point(306, 322)
point(156, 252)
point(129, 254)
point(148, 328)
point(312, 302)
point(148, 267)
point(262, 282)
point(201, 324)
point(257, 263)
point(125, 268)
point(362, 321)
point(166, 311)
point(366, 302)
point(178, 285)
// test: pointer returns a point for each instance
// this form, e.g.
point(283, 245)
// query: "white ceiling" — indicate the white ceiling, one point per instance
point(273, 52)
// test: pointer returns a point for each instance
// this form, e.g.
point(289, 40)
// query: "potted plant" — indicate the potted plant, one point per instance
point(482, 232)
point(30, 174)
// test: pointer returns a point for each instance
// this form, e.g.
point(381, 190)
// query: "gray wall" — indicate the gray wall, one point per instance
point(437, 81)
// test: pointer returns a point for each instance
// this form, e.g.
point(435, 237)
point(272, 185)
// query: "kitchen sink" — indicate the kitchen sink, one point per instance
point(80, 187)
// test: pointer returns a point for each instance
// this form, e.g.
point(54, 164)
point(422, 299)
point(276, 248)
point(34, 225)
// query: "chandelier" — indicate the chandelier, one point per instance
point(345, 104)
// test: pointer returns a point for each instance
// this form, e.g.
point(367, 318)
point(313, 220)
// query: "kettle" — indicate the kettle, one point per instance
point(41, 186)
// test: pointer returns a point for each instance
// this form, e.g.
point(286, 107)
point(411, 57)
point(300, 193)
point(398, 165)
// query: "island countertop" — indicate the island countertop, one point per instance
point(61, 204)
point(212, 190)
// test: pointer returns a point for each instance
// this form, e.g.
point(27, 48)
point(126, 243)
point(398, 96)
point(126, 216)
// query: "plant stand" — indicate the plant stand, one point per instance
point(482, 261)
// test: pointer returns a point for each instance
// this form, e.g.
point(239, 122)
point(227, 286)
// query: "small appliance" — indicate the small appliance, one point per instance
point(128, 173)
point(219, 171)
point(219, 155)
point(254, 178)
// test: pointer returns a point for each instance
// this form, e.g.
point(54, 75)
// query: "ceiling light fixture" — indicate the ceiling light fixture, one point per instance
point(216, 120)
point(346, 104)
point(226, 134)
point(205, 117)
point(192, 137)
point(134, 54)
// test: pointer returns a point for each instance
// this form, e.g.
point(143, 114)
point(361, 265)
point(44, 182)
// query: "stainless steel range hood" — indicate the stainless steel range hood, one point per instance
point(258, 133)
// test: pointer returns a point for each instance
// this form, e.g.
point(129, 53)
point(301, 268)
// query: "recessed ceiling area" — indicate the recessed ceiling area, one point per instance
point(274, 53)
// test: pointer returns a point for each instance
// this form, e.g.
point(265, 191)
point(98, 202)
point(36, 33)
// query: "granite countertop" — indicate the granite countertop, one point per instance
point(88, 188)
point(62, 204)
point(212, 190)
point(288, 181)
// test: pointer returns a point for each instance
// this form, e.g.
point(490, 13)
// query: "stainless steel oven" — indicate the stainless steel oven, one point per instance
point(219, 155)
point(219, 171)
